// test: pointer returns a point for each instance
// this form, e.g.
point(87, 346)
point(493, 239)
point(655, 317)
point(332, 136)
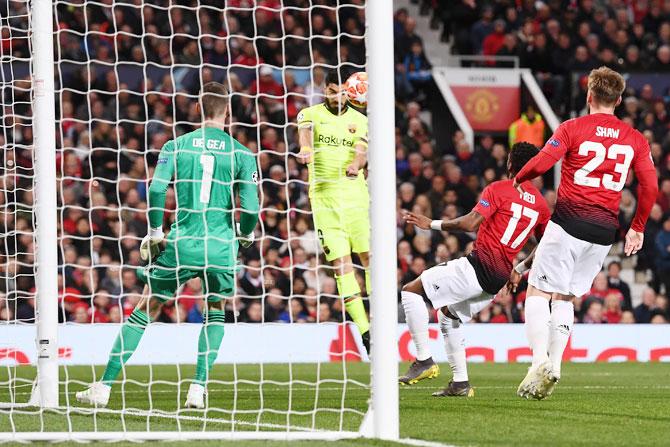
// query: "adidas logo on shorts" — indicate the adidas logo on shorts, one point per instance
point(542, 278)
point(436, 287)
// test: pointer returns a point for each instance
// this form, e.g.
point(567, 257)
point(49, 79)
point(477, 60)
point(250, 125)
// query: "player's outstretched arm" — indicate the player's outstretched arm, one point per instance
point(247, 187)
point(305, 140)
point(537, 166)
point(305, 137)
point(157, 192)
point(469, 222)
point(360, 159)
point(518, 271)
point(159, 185)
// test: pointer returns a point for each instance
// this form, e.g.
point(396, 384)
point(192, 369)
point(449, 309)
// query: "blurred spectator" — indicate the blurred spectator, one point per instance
point(530, 128)
point(417, 69)
point(251, 282)
point(659, 319)
point(254, 312)
point(647, 256)
point(295, 312)
point(81, 313)
point(509, 48)
point(663, 259)
point(627, 317)
point(601, 289)
point(594, 313)
point(613, 310)
point(615, 282)
point(195, 314)
point(408, 38)
point(494, 41)
point(643, 312)
point(482, 28)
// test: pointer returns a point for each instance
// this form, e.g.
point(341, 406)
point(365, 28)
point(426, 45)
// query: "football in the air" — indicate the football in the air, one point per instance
point(357, 89)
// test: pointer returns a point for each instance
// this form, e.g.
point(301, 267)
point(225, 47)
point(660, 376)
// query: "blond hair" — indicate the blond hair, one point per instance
point(606, 86)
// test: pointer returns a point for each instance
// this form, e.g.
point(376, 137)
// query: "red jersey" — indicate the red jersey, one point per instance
point(598, 151)
point(509, 220)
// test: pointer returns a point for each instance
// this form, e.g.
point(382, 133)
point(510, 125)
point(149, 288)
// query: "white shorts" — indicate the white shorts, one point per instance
point(455, 285)
point(565, 264)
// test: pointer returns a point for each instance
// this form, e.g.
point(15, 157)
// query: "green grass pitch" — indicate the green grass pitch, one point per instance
point(595, 404)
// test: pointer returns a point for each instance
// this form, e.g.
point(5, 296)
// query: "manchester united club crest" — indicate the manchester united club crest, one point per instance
point(352, 128)
point(482, 105)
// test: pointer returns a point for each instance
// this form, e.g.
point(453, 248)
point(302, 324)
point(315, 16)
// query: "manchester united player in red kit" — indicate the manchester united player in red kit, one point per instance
point(460, 288)
point(598, 151)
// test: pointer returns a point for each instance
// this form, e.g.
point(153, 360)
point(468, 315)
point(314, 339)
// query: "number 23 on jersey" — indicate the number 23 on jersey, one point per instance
point(585, 176)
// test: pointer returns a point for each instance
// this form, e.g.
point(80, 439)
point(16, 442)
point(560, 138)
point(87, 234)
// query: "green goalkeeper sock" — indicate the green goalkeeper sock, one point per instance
point(209, 342)
point(125, 344)
point(356, 311)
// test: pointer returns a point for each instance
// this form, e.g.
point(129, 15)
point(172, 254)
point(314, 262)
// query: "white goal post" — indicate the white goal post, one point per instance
point(46, 393)
point(52, 395)
point(384, 312)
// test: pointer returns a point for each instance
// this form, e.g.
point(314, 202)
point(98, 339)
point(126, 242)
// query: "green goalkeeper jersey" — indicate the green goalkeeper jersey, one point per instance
point(209, 168)
point(334, 138)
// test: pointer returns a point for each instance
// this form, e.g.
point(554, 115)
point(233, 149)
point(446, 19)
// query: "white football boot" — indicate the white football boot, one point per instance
point(195, 397)
point(96, 395)
point(539, 383)
point(547, 383)
point(524, 387)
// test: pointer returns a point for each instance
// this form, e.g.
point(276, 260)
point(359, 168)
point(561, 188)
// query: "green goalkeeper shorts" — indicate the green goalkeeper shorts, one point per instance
point(164, 277)
point(343, 226)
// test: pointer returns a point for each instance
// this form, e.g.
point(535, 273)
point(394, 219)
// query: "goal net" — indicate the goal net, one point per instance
point(127, 76)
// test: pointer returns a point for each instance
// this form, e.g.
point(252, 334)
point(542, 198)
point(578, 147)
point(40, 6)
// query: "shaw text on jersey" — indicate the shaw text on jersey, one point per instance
point(607, 132)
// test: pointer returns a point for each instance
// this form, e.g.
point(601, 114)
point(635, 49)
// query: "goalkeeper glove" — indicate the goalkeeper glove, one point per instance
point(150, 246)
point(245, 239)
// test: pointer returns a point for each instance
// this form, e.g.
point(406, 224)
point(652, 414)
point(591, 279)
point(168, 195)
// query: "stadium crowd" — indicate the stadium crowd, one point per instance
point(111, 127)
point(560, 41)
point(556, 38)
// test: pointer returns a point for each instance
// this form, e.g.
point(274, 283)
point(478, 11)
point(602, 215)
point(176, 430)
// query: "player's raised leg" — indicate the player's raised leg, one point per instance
point(124, 346)
point(454, 344)
point(365, 262)
point(350, 291)
point(416, 316)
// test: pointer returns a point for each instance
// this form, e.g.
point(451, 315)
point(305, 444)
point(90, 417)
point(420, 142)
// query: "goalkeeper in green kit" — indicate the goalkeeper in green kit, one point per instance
point(209, 168)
